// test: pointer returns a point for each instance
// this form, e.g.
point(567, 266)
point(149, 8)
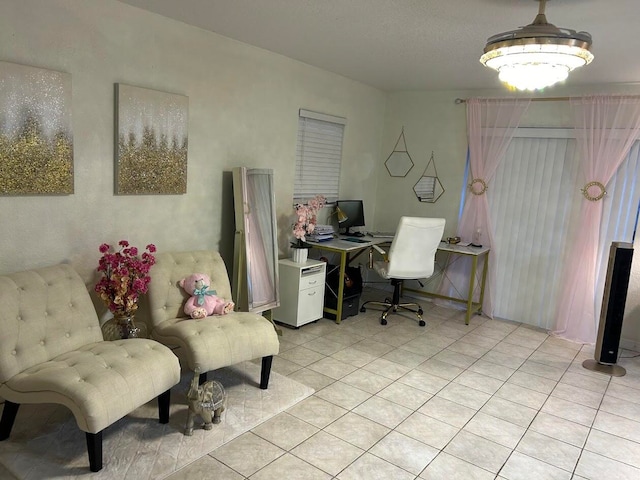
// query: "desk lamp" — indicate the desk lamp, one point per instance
point(342, 217)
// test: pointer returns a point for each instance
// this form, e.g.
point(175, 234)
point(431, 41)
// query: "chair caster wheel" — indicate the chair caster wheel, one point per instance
point(421, 323)
point(363, 309)
point(420, 312)
point(383, 321)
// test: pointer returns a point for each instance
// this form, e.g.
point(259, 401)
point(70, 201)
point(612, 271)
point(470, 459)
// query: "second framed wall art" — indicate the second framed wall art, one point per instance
point(151, 142)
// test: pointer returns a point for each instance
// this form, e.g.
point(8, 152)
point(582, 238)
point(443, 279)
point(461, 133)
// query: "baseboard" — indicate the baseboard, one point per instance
point(632, 345)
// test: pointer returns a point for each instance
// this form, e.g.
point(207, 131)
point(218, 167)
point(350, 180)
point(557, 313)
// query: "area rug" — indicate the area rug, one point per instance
point(46, 442)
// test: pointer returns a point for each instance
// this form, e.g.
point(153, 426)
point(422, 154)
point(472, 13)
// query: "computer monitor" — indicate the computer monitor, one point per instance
point(354, 210)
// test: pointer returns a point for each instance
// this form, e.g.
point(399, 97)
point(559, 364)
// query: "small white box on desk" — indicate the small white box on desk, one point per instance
point(301, 292)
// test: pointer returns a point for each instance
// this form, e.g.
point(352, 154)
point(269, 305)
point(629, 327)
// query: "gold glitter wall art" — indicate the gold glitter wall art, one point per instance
point(151, 142)
point(36, 140)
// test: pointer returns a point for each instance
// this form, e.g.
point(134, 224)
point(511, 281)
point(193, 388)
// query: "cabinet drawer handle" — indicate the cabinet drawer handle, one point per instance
point(311, 294)
point(313, 282)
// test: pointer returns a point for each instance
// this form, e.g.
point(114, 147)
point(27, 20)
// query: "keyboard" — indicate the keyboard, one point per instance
point(382, 234)
point(355, 240)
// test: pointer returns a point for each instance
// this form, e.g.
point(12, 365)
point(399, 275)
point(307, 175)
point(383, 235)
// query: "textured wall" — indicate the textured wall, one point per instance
point(243, 108)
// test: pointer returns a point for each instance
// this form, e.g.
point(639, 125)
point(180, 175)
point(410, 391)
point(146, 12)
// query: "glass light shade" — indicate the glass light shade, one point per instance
point(537, 55)
point(534, 66)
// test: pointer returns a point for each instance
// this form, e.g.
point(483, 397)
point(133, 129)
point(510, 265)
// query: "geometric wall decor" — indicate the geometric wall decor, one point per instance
point(428, 188)
point(36, 137)
point(399, 162)
point(151, 142)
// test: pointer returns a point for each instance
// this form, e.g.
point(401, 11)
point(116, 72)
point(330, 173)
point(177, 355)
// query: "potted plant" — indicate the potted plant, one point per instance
point(306, 220)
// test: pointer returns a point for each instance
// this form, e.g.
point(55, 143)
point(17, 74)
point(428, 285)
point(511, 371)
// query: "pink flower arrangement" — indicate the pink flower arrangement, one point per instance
point(125, 275)
point(306, 219)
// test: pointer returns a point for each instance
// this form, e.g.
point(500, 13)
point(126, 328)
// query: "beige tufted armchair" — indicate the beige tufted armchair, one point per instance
point(52, 351)
point(213, 342)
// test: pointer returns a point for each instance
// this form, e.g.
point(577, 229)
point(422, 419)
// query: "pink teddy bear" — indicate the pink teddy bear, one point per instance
point(203, 302)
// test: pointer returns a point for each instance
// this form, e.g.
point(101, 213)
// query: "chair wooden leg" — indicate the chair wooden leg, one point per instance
point(94, 448)
point(266, 371)
point(164, 402)
point(9, 413)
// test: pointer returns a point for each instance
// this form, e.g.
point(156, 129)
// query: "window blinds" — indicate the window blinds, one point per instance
point(318, 156)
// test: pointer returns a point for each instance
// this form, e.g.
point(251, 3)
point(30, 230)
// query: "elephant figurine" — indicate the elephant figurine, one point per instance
point(207, 401)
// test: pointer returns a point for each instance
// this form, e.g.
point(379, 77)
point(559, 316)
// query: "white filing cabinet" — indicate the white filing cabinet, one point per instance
point(301, 292)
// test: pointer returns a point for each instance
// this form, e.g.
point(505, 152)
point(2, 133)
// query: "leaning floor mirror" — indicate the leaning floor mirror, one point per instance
point(255, 266)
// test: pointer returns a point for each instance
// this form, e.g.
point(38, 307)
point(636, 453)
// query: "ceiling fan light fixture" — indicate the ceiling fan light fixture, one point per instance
point(538, 55)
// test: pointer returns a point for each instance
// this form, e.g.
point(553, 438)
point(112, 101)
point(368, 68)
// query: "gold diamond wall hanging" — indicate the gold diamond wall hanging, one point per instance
point(399, 162)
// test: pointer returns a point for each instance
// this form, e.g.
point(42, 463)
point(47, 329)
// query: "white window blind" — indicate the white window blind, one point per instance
point(318, 156)
point(532, 204)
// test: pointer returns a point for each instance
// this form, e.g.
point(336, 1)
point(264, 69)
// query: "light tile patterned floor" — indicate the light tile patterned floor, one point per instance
point(491, 400)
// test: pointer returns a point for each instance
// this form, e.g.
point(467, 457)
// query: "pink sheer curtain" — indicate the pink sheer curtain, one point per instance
point(606, 128)
point(491, 124)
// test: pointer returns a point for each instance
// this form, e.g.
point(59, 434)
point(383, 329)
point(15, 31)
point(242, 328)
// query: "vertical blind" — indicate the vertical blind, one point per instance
point(318, 156)
point(534, 201)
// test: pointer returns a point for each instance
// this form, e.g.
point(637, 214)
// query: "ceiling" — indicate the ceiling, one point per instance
point(413, 44)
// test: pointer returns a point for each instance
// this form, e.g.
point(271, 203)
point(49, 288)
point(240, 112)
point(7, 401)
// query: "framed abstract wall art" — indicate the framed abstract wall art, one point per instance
point(36, 138)
point(151, 142)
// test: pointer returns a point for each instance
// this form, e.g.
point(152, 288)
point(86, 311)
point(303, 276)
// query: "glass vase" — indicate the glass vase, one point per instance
point(123, 326)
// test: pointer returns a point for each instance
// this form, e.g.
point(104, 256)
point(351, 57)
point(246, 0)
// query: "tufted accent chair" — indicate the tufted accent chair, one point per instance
point(213, 342)
point(52, 351)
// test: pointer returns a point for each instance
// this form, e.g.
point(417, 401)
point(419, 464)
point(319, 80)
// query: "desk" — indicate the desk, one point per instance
point(348, 251)
point(475, 253)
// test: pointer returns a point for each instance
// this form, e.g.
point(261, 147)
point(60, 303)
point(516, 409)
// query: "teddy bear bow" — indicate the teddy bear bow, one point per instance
point(201, 292)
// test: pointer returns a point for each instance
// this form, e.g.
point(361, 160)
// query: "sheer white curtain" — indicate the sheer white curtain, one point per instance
point(619, 213)
point(491, 124)
point(606, 128)
point(534, 205)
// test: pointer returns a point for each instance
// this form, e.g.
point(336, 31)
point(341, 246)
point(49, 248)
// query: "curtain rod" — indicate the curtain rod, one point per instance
point(458, 101)
point(536, 99)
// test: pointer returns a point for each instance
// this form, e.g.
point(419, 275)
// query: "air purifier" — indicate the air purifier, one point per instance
point(612, 312)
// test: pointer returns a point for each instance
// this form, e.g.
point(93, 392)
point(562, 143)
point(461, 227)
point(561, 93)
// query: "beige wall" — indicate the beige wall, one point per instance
point(243, 110)
point(432, 122)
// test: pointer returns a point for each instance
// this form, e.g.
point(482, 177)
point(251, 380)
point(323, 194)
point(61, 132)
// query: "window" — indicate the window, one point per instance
point(535, 200)
point(318, 156)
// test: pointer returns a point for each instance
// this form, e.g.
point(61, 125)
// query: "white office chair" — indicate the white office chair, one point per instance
point(411, 257)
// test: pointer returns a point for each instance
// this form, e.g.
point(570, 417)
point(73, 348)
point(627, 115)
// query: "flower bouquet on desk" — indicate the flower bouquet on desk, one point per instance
point(306, 220)
point(124, 277)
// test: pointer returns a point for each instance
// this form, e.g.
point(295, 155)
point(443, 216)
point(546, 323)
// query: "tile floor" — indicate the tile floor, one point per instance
point(489, 400)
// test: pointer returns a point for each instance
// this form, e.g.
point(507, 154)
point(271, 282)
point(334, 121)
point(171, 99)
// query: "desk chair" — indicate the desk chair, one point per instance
point(411, 257)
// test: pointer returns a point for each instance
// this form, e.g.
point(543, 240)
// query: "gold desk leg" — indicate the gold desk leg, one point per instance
point(474, 267)
point(343, 269)
point(484, 279)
